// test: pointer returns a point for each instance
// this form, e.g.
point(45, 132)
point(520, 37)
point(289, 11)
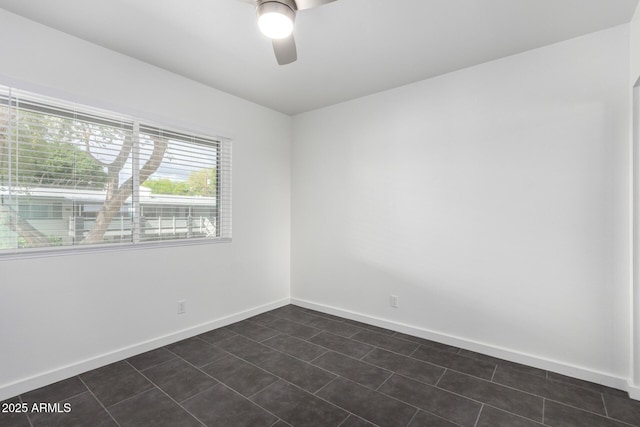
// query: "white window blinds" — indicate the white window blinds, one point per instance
point(72, 176)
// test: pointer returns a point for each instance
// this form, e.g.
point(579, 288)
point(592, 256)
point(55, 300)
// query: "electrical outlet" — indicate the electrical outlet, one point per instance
point(393, 300)
point(182, 307)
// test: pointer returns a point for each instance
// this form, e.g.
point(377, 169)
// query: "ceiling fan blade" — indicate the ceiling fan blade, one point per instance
point(285, 50)
point(308, 4)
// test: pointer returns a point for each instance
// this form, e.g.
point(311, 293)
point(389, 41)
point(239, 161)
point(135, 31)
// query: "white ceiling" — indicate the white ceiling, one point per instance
point(346, 49)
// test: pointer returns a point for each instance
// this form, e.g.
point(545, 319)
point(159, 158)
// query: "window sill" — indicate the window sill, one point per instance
point(19, 254)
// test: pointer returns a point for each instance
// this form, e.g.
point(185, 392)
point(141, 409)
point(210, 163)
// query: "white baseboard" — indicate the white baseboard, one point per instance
point(502, 353)
point(46, 378)
point(31, 383)
point(634, 391)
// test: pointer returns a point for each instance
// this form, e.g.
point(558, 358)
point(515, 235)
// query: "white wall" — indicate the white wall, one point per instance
point(493, 201)
point(635, 46)
point(63, 314)
point(635, 81)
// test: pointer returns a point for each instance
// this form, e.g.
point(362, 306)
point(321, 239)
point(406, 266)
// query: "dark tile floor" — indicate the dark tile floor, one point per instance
point(297, 367)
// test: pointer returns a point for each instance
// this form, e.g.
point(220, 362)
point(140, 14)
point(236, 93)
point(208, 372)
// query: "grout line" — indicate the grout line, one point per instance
point(587, 411)
point(250, 401)
point(439, 379)
point(383, 348)
point(166, 394)
point(604, 403)
point(328, 401)
point(530, 420)
point(613, 418)
point(393, 373)
point(495, 369)
point(216, 344)
point(414, 352)
point(175, 356)
point(368, 353)
point(478, 417)
point(59, 401)
point(587, 385)
point(374, 347)
point(315, 393)
point(221, 382)
point(273, 336)
point(484, 380)
point(356, 342)
point(473, 399)
point(27, 413)
point(447, 420)
point(458, 351)
point(317, 357)
point(343, 421)
point(342, 424)
point(286, 381)
point(384, 382)
point(195, 395)
point(411, 404)
point(450, 392)
point(99, 402)
point(545, 398)
point(355, 333)
point(315, 335)
point(264, 341)
point(263, 388)
point(414, 415)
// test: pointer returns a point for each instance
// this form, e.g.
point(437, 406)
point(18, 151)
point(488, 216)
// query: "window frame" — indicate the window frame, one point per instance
point(61, 108)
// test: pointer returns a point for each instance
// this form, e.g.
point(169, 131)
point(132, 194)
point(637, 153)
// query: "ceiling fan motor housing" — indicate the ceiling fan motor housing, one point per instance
point(291, 4)
point(276, 18)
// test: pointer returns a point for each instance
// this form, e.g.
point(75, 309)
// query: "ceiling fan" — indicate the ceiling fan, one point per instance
point(276, 18)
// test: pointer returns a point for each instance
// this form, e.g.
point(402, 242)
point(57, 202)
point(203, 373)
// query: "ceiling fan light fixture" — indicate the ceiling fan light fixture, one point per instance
point(275, 19)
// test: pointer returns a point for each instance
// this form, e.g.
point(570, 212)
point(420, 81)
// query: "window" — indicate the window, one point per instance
point(72, 176)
